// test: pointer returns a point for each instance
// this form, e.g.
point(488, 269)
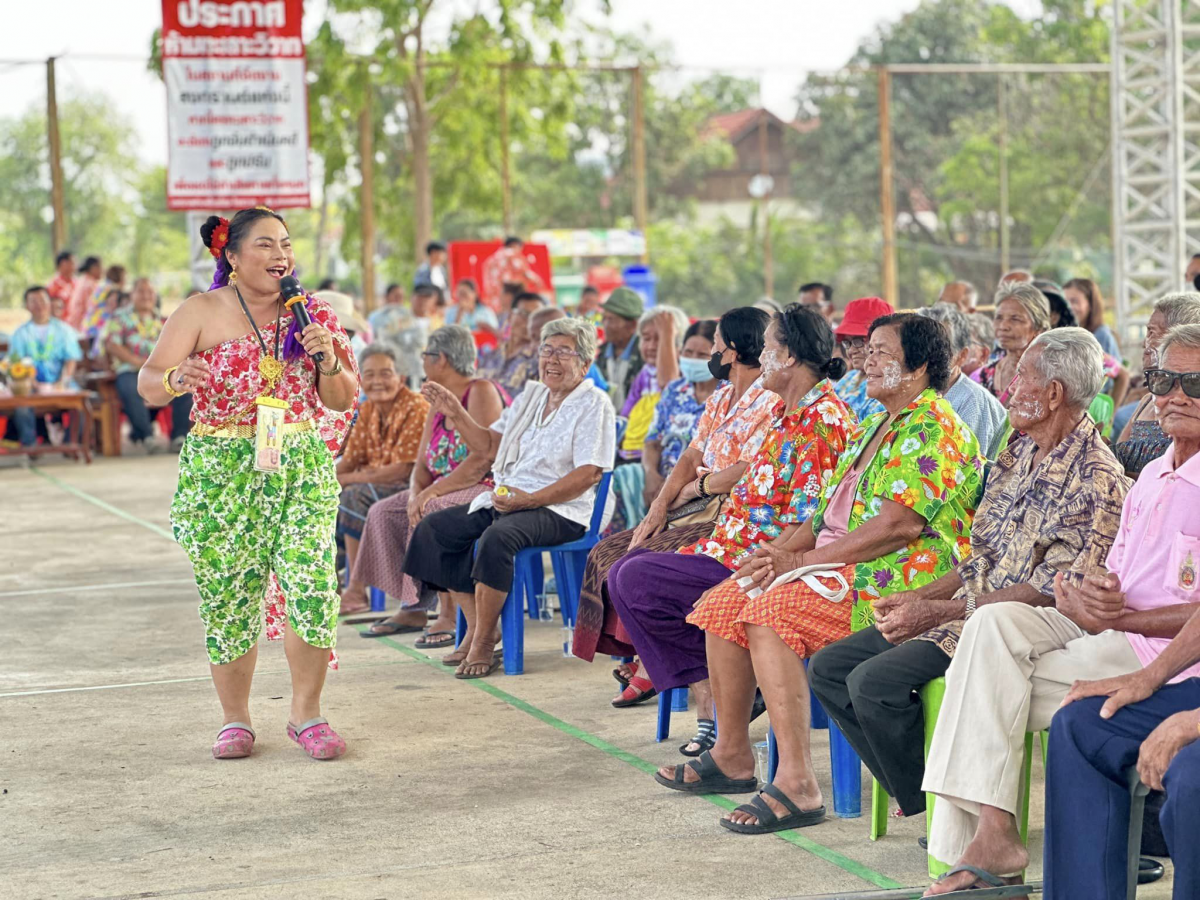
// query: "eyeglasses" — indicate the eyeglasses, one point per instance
point(855, 343)
point(1161, 382)
point(562, 354)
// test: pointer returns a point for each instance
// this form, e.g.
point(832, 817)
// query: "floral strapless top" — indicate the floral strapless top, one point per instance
point(228, 398)
point(447, 449)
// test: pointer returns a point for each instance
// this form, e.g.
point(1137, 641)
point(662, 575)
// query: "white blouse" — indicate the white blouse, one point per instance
point(581, 432)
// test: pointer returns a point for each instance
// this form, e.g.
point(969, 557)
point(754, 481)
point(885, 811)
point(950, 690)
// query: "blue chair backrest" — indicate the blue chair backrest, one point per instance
point(601, 502)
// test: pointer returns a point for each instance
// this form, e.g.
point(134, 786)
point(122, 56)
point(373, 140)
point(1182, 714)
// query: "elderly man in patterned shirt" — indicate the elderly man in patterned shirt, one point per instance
point(1051, 505)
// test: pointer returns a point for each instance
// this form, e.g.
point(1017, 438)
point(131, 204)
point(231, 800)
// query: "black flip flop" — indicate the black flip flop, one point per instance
point(495, 664)
point(983, 878)
point(712, 779)
point(391, 628)
point(423, 642)
point(768, 820)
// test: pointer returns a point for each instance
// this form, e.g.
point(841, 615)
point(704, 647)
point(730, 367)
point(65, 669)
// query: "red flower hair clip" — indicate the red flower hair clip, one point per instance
point(220, 237)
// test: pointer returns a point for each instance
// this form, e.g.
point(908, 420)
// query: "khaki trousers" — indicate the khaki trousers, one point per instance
point(1012, 668)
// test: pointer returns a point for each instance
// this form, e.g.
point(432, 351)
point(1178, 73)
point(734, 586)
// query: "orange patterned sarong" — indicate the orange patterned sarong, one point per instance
point(804, 620)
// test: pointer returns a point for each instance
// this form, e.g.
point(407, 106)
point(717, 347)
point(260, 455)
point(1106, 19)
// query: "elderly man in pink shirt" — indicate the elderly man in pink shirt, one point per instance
point(1016, 663)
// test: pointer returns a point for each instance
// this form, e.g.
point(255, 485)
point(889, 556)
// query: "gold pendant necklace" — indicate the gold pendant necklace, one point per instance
point(271, 370)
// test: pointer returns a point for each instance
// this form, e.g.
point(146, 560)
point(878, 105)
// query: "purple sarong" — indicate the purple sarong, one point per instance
point(653, 594)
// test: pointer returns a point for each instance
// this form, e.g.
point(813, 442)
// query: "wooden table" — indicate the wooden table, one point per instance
point(104, 383)
point(58, 401)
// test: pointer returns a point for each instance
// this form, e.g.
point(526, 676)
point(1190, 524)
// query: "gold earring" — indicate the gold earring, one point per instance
point(233, 278)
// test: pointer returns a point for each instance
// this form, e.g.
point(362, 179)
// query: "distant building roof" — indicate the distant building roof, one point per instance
point(736, 125)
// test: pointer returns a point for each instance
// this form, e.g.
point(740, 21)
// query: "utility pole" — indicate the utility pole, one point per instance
point(366, 152)
point(1002, 146)
point(887, 195)
point(764, 207)
point(505, 173)
point(56, 174)
point(639, 160)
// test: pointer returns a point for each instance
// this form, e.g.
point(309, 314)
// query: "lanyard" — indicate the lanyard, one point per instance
point(257, 333)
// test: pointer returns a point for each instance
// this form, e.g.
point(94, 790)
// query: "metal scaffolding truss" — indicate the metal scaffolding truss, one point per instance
point(1156, 158)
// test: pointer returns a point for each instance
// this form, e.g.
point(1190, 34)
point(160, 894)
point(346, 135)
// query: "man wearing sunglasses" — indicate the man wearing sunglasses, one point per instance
point(1104, 625)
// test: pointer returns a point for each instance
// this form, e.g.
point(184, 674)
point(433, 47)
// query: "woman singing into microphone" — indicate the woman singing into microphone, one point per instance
point(257, 499)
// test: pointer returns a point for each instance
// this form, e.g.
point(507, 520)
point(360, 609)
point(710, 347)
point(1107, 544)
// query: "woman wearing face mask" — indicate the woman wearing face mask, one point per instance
point(729, 433)
point(852, 336)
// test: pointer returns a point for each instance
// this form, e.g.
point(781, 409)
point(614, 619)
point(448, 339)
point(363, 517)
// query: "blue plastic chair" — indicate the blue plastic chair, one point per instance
point(670, 700)
point(845, 765)
point(378, 600)
point(568, 561)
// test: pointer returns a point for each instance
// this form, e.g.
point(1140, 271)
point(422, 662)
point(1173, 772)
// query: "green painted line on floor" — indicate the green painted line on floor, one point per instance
point(102, 504)
point(845, 863)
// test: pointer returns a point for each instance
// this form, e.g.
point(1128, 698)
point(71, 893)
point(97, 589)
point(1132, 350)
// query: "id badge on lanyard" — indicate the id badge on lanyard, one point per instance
point(268, 434)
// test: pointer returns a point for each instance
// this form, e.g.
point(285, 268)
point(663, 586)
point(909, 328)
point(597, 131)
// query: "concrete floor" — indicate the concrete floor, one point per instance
point(522, 787)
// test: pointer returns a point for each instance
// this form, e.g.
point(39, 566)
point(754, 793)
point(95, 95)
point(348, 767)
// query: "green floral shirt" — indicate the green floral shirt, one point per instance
point(929, 461)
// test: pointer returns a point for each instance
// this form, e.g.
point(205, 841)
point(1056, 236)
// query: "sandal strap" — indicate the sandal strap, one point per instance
point(319, 720)
point(772, 791)
point(242, 725)
point(705, 766)
point(762, 811)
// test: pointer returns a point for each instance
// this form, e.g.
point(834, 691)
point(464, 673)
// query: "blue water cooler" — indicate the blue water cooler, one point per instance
point(644, 281)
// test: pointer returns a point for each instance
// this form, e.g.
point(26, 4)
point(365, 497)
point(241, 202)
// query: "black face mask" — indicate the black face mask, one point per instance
point(719, 372)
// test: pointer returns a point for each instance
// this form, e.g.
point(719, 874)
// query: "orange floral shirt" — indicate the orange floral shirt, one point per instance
point(378, 440)
point(731, 432)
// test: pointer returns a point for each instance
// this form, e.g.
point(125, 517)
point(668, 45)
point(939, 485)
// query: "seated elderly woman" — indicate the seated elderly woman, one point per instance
point(1016, 664)
point(1092, 750)
point(895, 515)
point(727, 437)
point(852, 338)
point(548, 451)
point(679, 410)
point(1142, 440)
point(1052, 503)
point(378, 456)
point(446, 474)
point(654, 592)
point(1022, 313)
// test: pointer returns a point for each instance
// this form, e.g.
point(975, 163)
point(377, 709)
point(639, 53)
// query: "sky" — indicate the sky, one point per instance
point(776, 41)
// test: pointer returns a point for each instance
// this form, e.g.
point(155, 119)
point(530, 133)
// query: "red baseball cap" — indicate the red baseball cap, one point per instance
point(859, 315)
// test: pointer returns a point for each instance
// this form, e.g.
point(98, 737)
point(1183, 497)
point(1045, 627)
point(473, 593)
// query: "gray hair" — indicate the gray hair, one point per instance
point(378, 350)
point(581, 331)
point(983, 330)
point(1072, 357)
point(1033, 301)
point(958, 329)
point(680, 317)
point(456, 344)
point(1183, 335)
point(1182, 308)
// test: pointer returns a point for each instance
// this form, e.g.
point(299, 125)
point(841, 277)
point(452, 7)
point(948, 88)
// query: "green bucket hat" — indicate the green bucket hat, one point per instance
point(624, 302)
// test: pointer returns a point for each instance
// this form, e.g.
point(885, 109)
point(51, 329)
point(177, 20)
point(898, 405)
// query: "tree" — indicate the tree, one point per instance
point(418, 81)
point(945, 132)
point(100, 173)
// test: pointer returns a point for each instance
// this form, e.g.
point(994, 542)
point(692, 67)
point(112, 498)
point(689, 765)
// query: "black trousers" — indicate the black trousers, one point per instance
point(138, 413)
point(868, 687)
point(439, 551)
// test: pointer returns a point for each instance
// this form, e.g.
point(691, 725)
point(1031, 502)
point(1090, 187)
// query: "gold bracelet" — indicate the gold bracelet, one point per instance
point(336, 370)
point(167, 383)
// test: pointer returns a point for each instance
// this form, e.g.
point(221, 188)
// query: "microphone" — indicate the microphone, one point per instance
point(293, 299)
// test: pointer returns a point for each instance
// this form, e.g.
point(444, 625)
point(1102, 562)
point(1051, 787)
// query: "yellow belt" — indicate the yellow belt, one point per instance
point(199, 429)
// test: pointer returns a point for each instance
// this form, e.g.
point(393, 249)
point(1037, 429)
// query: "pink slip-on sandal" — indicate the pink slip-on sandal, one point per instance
point(234, 741)
point(317, 739)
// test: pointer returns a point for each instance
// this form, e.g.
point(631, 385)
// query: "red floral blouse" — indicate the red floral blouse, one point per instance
point(228, 398)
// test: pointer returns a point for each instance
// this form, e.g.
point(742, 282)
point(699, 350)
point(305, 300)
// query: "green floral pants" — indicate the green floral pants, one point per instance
point(240, 526)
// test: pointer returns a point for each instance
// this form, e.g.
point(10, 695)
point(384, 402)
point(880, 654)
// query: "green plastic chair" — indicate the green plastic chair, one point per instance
point(1103, 409)
point(932, 695)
